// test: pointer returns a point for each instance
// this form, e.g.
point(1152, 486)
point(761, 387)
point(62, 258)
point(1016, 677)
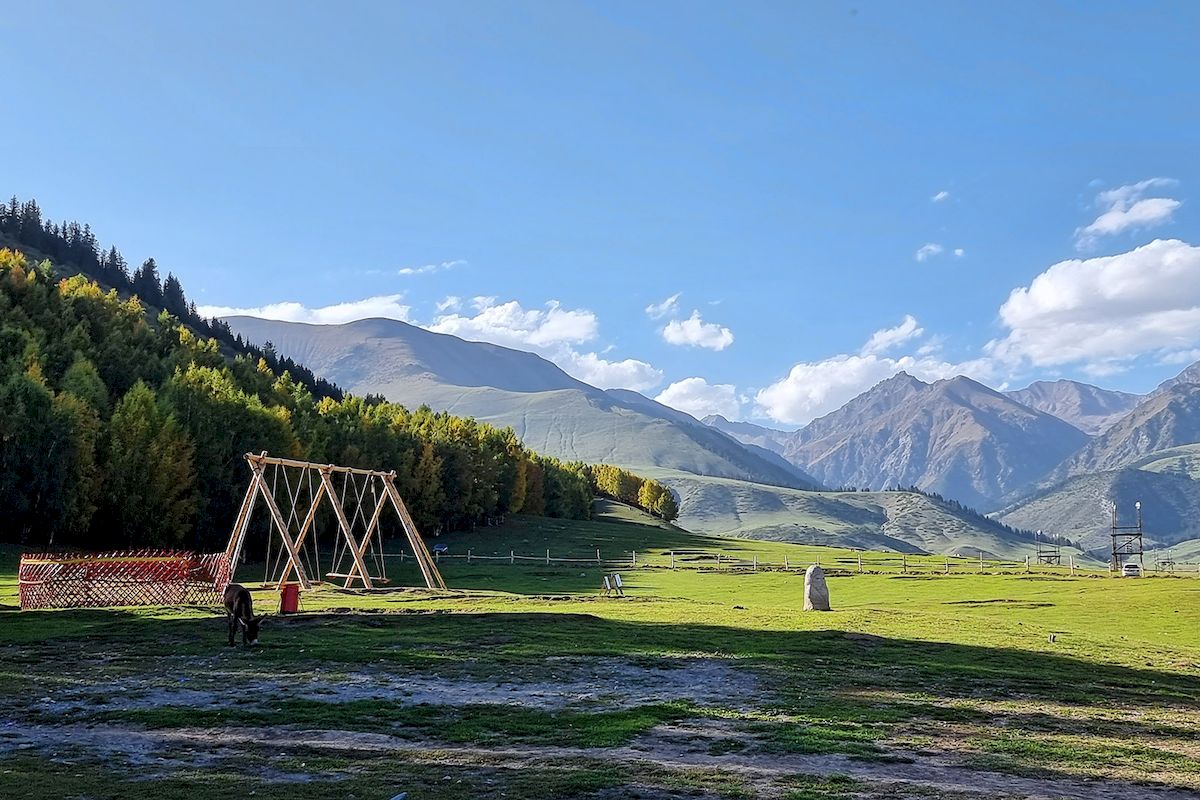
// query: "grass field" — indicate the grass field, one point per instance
point(524, 683)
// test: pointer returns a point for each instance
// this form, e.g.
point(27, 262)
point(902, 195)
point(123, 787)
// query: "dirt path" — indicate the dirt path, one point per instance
point(165, 751)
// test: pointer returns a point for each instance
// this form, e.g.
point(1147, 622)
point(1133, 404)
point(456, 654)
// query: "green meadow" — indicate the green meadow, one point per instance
point(524, 682)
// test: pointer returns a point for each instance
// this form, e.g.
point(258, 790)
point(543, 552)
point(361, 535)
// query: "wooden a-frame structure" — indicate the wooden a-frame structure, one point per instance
point(382, 487)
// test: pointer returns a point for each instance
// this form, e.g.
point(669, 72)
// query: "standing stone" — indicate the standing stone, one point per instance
point(816, 591)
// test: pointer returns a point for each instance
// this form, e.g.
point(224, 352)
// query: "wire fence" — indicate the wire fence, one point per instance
point(856, 562)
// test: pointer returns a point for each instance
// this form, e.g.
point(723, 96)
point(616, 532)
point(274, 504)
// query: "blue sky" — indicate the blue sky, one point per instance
point(561, 168)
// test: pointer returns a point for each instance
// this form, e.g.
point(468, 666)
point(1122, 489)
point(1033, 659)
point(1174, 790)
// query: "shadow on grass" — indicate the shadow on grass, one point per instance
point(834, 663)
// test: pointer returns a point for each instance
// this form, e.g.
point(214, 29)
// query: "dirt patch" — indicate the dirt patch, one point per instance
point(598, 684)
point(674, 748)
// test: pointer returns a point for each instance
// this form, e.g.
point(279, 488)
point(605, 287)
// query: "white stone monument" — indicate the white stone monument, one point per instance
point(816, 591)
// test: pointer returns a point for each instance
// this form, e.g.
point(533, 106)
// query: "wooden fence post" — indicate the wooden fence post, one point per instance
point(785, 564)
point(512, 558)
point(633, 559)
point(468, 555)
point(756, 562)
point(547, 556)
point(980, 562)
point(860, 562)
point(1027, 563)
point(672, 559)
point(904, 563)
point(718, 559)
point(1072, 560)
point(597, 556)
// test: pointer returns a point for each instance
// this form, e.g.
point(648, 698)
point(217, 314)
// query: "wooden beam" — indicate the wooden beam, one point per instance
point(429, 570)
point(263, 458)
point(233, 550)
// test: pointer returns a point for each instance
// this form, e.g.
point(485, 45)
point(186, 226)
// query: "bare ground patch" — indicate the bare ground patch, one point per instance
point(680, 749)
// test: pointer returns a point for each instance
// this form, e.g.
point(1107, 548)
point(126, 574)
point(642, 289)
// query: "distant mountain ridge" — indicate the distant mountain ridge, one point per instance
point(552, 412)
point(1089, 408)
point(749, 433)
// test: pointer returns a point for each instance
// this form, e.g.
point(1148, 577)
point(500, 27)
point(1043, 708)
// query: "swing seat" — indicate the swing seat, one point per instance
point(356, 576)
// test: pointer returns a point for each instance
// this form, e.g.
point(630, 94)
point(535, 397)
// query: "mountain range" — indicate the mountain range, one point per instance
point(955, 437)
point(552, 412)
point(1038, 455)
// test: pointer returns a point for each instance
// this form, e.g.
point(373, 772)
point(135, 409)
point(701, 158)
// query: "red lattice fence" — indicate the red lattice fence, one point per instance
point(132, 578)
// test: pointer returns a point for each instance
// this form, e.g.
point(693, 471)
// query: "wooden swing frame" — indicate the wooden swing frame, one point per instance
point(358, 569)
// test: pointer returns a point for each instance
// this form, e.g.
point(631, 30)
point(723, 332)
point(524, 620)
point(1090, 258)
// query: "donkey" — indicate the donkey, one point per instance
point(240, 611)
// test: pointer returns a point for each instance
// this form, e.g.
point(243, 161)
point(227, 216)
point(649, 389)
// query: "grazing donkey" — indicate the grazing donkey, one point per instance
point(241, 612)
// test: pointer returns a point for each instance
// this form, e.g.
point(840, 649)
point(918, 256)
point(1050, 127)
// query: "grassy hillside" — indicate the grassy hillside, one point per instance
point(897, 521)
point(1186, 553)
point(1183, 461)
point(1078, 507)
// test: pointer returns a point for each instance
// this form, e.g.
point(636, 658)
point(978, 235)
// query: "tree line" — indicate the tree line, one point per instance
point(74, 245)
point(620, 484)
point(126, 428)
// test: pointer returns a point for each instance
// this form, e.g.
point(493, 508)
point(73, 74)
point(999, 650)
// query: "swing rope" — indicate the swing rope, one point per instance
point(377, 549)
point(267, 566)
point(294, 516)
point(339, 550)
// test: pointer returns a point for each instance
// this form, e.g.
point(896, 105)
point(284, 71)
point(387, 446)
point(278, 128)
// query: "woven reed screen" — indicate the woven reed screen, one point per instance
point(130, 578)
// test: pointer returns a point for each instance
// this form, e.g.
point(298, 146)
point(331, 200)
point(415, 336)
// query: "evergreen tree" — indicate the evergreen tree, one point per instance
point(147, 285)
point(173, 298)
point(147, 499)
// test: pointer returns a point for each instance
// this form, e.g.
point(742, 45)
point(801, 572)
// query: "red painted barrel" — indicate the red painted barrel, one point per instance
point(289, 598)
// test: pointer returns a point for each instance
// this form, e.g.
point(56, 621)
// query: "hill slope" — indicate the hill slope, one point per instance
point(1087, 407)
point(1078, 507)
point(552, 412)
point(749, 433)
point(897, 521)
point(955, 437)
point(1169, 418)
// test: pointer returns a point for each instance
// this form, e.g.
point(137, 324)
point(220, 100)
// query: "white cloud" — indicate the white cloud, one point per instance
point(388, 305)
point(1127, 208)
point(959, 252)
point(512, 325)
point(450, 303)
point(428, 268)
point(698, 397)
point(941, 196)
point(666, 308)
point(603, 374)
point(552, 333)
point(695, 332)
point(1102, 312)
point(927, 251)
point(886, 338)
